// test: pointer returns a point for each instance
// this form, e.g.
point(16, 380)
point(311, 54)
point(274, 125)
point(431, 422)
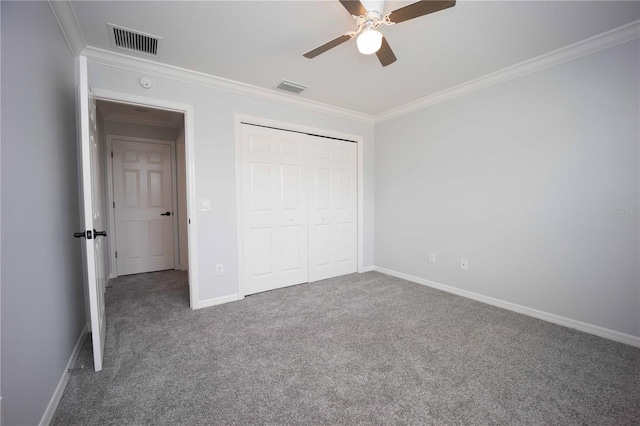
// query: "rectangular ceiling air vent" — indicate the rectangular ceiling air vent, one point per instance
point(133, 41)
point(290, 87)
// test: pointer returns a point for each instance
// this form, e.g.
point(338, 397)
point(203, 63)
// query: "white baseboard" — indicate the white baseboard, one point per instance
point(218, 301)
point(556, 319)
point(366, 269)
point(57, 395)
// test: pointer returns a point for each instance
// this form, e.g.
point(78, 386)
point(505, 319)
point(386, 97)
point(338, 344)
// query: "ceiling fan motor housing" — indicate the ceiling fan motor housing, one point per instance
point(375, 8)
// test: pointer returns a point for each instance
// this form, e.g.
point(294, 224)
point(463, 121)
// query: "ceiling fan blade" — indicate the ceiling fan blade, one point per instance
point(354, 7)
point(330, 45)
point(385, 54)
point(420, 8)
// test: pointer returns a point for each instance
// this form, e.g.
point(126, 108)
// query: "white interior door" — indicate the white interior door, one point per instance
point(142, 190)
point(333, 209)
point(274, 200)
point(91, 209)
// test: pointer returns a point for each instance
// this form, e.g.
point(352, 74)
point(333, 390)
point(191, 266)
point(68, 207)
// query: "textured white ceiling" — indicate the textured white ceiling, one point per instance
point(262, 42)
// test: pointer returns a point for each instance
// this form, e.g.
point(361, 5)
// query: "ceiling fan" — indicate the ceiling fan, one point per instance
point(369, 15)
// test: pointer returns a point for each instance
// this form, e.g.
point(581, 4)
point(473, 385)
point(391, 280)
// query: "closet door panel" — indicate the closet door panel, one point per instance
point(332, 209)
point(262, 244)
point(274, 209)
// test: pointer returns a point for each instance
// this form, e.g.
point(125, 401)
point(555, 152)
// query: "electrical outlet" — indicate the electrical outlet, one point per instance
point(464, 264)
point(432, 258)
point(219, 269)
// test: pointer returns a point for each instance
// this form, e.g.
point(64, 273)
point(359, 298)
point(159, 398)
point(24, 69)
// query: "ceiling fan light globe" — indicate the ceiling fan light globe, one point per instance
point(369, 41)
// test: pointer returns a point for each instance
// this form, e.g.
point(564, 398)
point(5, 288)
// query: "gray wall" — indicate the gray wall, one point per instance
point(214, 113)
point(519, 178)
point(42, 291)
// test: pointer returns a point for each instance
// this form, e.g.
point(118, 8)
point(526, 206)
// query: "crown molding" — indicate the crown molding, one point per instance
point(68, 23)
point(582, 48)
point(118, 60)
point(64, 14)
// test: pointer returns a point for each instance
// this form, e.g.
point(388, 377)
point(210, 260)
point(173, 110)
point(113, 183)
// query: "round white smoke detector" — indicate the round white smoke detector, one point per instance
point(145, 82)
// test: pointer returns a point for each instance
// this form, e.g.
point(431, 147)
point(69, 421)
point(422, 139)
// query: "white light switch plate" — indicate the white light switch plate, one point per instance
point(204, 204)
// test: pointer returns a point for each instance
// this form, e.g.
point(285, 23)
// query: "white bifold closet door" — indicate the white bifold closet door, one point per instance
point(333, 210)
point(274, 204)
point(299, 208)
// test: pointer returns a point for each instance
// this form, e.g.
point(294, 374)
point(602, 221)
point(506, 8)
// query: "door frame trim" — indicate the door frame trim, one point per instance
point(250, 119)
point(190, 168)
point(111, 195)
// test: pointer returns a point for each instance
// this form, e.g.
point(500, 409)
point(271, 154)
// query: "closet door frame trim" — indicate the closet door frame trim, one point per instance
point(259, 121)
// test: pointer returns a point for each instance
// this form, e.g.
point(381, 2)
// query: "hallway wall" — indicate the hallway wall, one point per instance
point(139, 130)
point(183, 219)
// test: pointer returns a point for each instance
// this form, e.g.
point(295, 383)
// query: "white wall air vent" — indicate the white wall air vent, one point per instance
point(290, 87)
point(133, 41)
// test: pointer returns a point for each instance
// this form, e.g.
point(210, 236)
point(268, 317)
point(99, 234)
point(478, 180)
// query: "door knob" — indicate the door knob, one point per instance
point(99, 233)
point(165, 214)
point(86, 235)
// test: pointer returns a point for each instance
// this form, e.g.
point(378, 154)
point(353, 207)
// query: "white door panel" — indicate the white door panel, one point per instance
point(142, 188)
point(291, 249)
point(91, 207)
point(261, 244)
point(274, 209)
point(332, 209)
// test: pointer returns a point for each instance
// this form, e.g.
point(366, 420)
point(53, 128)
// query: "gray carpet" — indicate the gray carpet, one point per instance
point(359, 349)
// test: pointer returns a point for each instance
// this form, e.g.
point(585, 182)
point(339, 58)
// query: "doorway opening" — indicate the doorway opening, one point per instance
point(144, 176)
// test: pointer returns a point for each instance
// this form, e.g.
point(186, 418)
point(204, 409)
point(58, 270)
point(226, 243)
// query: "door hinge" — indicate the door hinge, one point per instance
point(111, 154)
point(114, 204)
point(116, 255)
